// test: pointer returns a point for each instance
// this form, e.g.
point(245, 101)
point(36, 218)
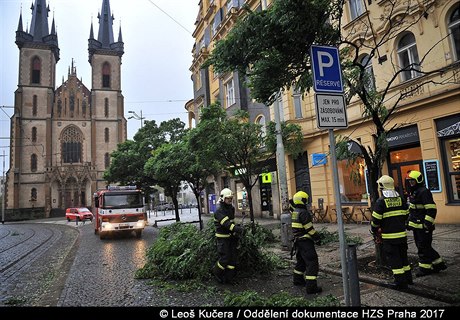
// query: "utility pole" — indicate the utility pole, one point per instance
point(3, 189)
point(137, 117)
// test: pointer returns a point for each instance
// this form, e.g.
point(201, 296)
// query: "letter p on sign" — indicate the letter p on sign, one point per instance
point(325, 61)
point(327, 76)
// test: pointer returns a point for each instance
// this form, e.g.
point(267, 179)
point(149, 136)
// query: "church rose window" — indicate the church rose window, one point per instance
point(72, 141)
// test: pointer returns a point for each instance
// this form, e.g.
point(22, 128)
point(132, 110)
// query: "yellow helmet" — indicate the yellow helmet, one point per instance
point(386, 182)
point(300, 197)
point(417, 176)
point(226, 193)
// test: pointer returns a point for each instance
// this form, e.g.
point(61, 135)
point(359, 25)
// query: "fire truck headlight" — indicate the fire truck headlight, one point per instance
point(107, 226)
point(140, 224)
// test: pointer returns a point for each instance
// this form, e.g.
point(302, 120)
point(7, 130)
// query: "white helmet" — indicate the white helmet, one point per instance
point(386, 182)
point(226, 193)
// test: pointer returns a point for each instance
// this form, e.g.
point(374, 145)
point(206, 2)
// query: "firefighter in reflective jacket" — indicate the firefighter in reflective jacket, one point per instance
point(227, 233)
point(390, 215)
point(422, 212)
point(305, 238)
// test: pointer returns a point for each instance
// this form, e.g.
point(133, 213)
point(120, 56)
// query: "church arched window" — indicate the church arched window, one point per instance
point(33, 194)
point(71, 145)
point(106, 134)
point(34, 134)
point(83, 108)
point(106, 75)
point(36, 70)
point(34, 105)
point(106, 160)
point(33, 162)
point(106, 107)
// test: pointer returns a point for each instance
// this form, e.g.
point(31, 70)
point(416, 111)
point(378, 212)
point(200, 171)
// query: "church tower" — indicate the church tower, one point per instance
point(108, 122)
point(33, 100)
point(62, 138)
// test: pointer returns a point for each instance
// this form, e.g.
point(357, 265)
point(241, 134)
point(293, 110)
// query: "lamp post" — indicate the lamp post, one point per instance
point(136, 116)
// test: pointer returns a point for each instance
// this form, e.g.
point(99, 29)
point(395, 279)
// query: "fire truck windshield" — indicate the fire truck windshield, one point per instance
point(132, 200)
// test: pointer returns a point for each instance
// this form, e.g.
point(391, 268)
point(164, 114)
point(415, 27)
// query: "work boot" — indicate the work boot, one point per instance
point(219, 274)
point(421, 272)
point(312, 287)
point(401, 286)
point(408, 275)
point(230, 276)
point(439, 267)
point(298, 280)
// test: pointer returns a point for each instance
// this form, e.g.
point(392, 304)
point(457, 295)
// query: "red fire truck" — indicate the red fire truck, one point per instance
point(119, 209)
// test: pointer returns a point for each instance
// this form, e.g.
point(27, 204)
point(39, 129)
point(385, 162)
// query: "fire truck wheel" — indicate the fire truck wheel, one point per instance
point(102, 235)
point(138, 234)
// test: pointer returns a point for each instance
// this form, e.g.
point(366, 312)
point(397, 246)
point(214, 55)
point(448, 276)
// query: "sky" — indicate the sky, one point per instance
point(158, 42)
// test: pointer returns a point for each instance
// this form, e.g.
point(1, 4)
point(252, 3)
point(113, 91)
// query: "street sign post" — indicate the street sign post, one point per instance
point(331, 113)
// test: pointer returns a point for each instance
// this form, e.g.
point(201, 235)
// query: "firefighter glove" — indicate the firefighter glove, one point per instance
point(238, 230)
point(317, 241)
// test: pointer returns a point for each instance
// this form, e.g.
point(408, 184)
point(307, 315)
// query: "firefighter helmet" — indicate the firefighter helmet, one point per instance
point(300, 197)
point(226, 193)
point(417, 176)
point(386, 182)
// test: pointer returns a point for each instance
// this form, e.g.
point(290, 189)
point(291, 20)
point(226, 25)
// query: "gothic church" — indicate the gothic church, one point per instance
point(62, 138)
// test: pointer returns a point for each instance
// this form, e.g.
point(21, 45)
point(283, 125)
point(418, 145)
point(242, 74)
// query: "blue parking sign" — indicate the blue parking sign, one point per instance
point(327, 75)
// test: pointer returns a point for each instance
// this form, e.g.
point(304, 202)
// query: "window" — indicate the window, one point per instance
point(260, 120)
point(356, 8)
point(229, 93)
point(59, 108)
point(36, 70)
point(72, 105)
point(454, 31)
point(33, 194)
point(71, 147)
point(34, 134)
point(106, 134)
point(263, 4)
point(34, 105)
point(452, 154)
point(106, 107)
point(106, 75)
point(106, 160)
point(352, 182)
point(369, 78)
point(83, 108)
point(197, 82)
point(408, 57)
point(33, 162)
point(297, 104)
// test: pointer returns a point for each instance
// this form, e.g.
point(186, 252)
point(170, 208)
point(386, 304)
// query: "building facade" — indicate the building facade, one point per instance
point(215, 18)
point(427, 119)
point(61, 138)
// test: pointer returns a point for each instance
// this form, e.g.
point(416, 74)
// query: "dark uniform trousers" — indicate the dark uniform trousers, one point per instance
point(227, 251)
point(307, 262)
point(396, 255)
point(428, 257)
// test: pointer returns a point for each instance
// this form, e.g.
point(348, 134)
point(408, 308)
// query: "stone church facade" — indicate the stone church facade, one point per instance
point(62, 138)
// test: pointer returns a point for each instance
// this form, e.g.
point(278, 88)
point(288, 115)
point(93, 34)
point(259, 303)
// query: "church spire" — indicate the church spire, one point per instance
point(105, 40)
point(105, 35)
point(39, 24)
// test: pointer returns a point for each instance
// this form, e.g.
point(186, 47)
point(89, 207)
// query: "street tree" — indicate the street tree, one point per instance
point(243, 147)
point(166, 166)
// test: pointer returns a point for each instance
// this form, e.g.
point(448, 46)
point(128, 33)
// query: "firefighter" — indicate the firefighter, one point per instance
point(305, 238)
point(422, 213)
point(389, 220)
point(227, 233)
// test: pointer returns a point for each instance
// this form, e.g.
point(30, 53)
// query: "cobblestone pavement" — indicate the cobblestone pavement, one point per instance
point(55, 263)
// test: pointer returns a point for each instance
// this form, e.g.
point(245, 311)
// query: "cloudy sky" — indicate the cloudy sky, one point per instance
point(157, 36)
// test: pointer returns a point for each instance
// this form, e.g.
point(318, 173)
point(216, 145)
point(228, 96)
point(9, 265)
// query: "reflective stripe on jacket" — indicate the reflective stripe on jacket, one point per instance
point(302, 226)
point(224, 220)
point(390, 214)
point(422, 208)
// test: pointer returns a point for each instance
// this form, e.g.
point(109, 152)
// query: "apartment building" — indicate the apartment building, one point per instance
point(426, 135)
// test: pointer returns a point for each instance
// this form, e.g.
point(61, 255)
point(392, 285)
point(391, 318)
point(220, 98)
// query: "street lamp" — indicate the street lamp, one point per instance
point(136, 116)
point(3, 188)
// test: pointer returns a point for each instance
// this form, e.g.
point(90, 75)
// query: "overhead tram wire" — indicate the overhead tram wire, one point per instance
point(177, 22)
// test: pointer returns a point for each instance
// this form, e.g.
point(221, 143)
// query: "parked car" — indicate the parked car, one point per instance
point(79, 214)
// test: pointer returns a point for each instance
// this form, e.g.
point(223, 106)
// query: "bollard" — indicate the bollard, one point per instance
point(353, 278)
point(286, 232)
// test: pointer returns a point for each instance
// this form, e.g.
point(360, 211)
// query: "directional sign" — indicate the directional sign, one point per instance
point(330, 111)
point(327, 76)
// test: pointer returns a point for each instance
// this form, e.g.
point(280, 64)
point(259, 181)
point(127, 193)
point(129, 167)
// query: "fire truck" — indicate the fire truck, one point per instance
point(119, 209)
